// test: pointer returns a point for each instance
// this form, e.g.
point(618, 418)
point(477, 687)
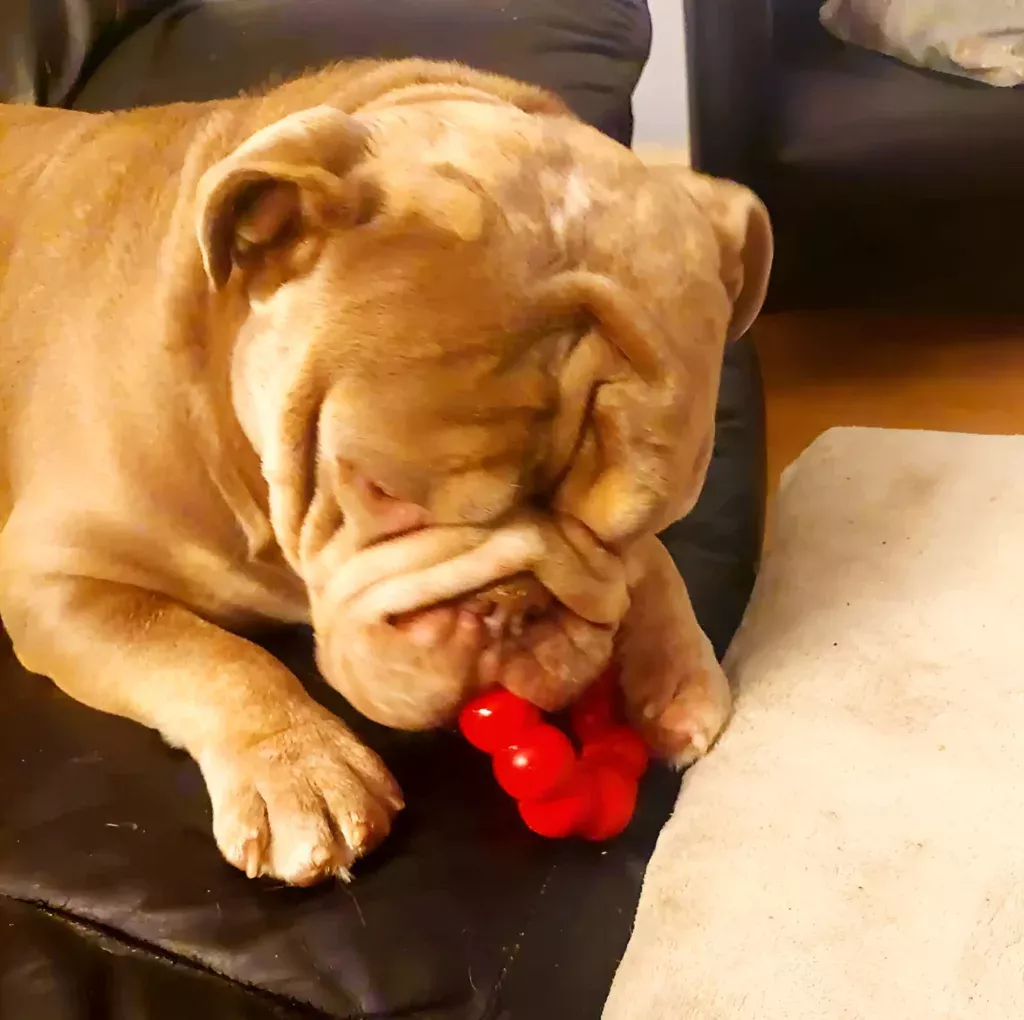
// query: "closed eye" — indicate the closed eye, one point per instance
point(578, 385)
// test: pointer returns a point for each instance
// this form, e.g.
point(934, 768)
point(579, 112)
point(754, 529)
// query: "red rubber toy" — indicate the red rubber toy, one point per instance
point(538, 764)
point(559, 793)
point(495, 719)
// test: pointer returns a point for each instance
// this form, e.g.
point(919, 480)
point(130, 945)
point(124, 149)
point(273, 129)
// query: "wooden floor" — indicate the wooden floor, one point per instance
point(820, 370)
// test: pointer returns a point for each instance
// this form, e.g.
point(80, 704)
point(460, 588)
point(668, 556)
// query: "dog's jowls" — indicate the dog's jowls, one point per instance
point(401, 350)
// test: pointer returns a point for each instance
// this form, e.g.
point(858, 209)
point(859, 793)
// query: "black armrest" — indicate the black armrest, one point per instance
point(18, 53)
point(728, 44)
point(47, 46)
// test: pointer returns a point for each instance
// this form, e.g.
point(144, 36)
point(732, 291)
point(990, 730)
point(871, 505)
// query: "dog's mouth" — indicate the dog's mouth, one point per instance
point(527, 640)
point(505, 609)
point(411, 628)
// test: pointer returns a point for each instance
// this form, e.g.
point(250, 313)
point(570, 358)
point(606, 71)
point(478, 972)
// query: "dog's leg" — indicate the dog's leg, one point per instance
point(675, 691)
point(295, 794)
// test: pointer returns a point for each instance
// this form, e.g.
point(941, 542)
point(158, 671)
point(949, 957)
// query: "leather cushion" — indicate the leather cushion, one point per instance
point(46, 45)
point(590, 53)
point(19, 53)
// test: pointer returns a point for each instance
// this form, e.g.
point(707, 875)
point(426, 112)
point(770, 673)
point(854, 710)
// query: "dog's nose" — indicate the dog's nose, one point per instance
point(507, 607)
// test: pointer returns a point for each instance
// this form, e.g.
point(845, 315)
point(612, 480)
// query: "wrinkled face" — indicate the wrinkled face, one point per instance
point(478, 360)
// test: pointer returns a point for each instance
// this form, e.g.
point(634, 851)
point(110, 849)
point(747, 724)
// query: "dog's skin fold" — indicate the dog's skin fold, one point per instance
point(402, 350)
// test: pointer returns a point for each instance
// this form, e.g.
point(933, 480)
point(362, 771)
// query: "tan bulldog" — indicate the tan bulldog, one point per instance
point(402, 350)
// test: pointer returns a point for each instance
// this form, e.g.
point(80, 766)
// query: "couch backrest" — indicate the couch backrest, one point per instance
point(47, 45)
point(22, 57)
point(796, 29)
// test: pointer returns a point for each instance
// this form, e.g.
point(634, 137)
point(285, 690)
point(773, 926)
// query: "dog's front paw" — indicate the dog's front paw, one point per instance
point(674, 689)
point(683, 719)
point(299, 805)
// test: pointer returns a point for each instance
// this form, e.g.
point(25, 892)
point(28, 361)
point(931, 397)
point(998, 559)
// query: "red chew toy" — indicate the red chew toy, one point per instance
point(615, 799)
point(622, 748)
point(538, 764)
point(558, 793)
point(594, 713)
point(566, 813)
point(494, 720)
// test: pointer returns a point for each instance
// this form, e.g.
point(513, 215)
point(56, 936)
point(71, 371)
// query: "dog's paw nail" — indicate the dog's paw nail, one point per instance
point(358, 834)
point(252, 860)
point(319, 856)
point(699, 742)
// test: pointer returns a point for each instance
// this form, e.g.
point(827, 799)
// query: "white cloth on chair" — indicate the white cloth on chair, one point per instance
point(853, 848)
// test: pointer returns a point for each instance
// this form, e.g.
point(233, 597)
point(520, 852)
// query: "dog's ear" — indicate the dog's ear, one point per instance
point(272, 189)
point(662, 304)
point(741, 225)
point(301, 175)
point(744, 232)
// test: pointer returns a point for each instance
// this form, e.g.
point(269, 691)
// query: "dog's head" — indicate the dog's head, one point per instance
point(478, 359)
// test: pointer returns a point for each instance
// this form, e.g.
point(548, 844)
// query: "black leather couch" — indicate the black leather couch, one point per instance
point(114, 904)
point(889, 186)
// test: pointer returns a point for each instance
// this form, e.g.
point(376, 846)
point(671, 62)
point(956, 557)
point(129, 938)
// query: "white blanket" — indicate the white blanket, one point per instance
point(853, 849)
point(982, 39)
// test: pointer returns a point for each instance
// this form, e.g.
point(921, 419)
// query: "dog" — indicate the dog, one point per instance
point(401, 350)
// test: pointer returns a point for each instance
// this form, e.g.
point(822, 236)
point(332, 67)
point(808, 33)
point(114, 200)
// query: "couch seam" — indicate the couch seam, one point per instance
point(96, 929)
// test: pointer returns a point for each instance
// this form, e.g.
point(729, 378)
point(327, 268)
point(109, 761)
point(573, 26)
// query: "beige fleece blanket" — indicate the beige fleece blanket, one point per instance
point(853, 849)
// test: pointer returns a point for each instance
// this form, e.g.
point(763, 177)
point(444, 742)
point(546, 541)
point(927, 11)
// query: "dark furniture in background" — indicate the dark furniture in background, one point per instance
point(889, 186)
point(114, 903)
